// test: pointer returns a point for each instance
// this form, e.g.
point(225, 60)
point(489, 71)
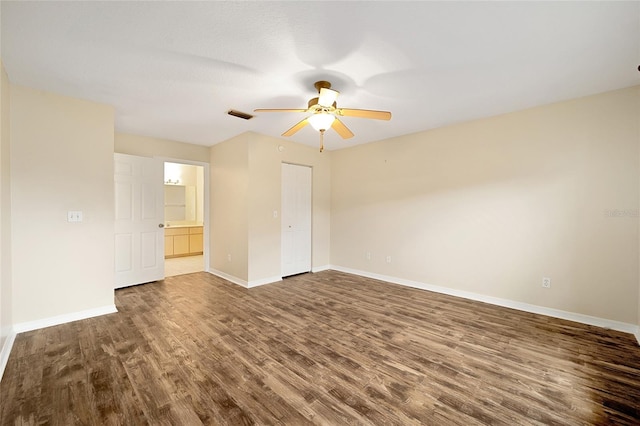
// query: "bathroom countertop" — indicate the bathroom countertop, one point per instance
point(183, 226)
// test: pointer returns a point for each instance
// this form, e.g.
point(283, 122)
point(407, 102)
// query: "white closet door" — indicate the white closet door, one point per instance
point(296, 219)
point(139, 233)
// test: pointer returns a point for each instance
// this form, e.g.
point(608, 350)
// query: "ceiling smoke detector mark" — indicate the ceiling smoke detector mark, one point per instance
point(240, 114)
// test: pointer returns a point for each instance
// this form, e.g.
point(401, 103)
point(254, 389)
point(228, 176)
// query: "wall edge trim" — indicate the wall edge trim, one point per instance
point(320, 268)
point(264, 281)
point(241, 282)
point(521, 306)
point(64, 318)
point(6, 351)
point(230, 278)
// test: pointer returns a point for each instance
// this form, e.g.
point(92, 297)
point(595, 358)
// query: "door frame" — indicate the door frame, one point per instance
point(205, 219)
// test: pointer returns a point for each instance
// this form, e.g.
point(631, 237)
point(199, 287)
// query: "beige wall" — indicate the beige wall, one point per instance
point(228, 213)
point(61, 159)
point(144, 146)
point(265, 169)
point(185, 173)
point(6, 298)
point(489, 206)
point(492, 206)
point(246, 190)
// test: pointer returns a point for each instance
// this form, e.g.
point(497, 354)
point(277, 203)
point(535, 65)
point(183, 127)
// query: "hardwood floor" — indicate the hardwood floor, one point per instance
point(326, 348)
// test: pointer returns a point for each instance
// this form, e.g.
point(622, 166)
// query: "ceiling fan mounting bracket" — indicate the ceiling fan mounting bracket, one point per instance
point(322, 85)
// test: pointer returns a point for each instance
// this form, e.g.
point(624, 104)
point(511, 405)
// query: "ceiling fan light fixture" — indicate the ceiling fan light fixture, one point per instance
point(321, 121)
point(327, 97)
point(324, 113)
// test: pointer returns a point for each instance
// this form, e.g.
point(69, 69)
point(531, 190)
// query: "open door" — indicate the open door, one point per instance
point(139, 220)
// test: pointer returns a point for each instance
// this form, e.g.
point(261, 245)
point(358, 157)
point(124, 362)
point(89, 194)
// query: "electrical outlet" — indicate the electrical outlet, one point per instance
point(74, 216)
point(546, 282)
point(368, 255)
point(229, 257)
point(388, 259)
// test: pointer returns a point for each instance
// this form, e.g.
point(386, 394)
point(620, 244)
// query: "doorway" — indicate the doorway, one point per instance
point(184, 218)
point(296, 219)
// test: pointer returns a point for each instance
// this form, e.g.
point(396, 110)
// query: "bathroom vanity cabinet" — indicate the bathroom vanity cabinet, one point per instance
point(182, 241)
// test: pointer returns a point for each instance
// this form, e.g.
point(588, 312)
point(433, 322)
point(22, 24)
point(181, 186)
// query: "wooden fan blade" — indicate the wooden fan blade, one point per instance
point(278, 110)
point(295, 128)
point(341, 129)
point(364, 113)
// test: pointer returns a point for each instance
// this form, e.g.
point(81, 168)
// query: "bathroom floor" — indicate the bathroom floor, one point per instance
point(183, 265)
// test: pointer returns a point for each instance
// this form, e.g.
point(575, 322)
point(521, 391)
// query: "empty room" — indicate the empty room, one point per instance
point(329, 213)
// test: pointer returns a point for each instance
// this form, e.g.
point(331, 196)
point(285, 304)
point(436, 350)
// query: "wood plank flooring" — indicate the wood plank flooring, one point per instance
point(326, 348)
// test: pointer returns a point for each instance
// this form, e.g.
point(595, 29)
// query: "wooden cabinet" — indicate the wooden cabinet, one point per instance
point(180, 245)
point(168, 245)
point(183, 241)
point(195, 239)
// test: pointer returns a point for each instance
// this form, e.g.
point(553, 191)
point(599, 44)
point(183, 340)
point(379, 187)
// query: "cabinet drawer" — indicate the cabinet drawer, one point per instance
point(176, 231)
point(195, 230)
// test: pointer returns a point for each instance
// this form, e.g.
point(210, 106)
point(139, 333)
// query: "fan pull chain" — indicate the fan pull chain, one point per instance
point(322, 140)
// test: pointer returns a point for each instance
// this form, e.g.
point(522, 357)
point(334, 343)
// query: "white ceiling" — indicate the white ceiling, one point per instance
point(173, 69)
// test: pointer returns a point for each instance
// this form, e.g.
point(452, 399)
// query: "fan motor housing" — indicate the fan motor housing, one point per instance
point(314, 101)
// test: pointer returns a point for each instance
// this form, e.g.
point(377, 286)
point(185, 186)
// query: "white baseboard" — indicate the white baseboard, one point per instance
point(228, 277)
point(241, 282)
point(256, 283)
point(638, 334)
point(6, 350)
point(62, 319)
point(556, 313)
point(321, 268)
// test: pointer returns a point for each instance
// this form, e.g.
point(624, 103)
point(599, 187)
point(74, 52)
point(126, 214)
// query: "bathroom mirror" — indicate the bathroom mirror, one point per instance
point(179, 202)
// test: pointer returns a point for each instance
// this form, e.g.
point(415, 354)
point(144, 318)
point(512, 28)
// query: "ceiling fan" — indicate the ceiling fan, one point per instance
point(325, 113)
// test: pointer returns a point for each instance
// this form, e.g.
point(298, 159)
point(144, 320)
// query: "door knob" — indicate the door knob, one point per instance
point(161, 225)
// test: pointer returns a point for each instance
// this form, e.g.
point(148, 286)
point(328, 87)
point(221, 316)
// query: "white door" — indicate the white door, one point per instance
point(296, 219)
point(139, 233)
